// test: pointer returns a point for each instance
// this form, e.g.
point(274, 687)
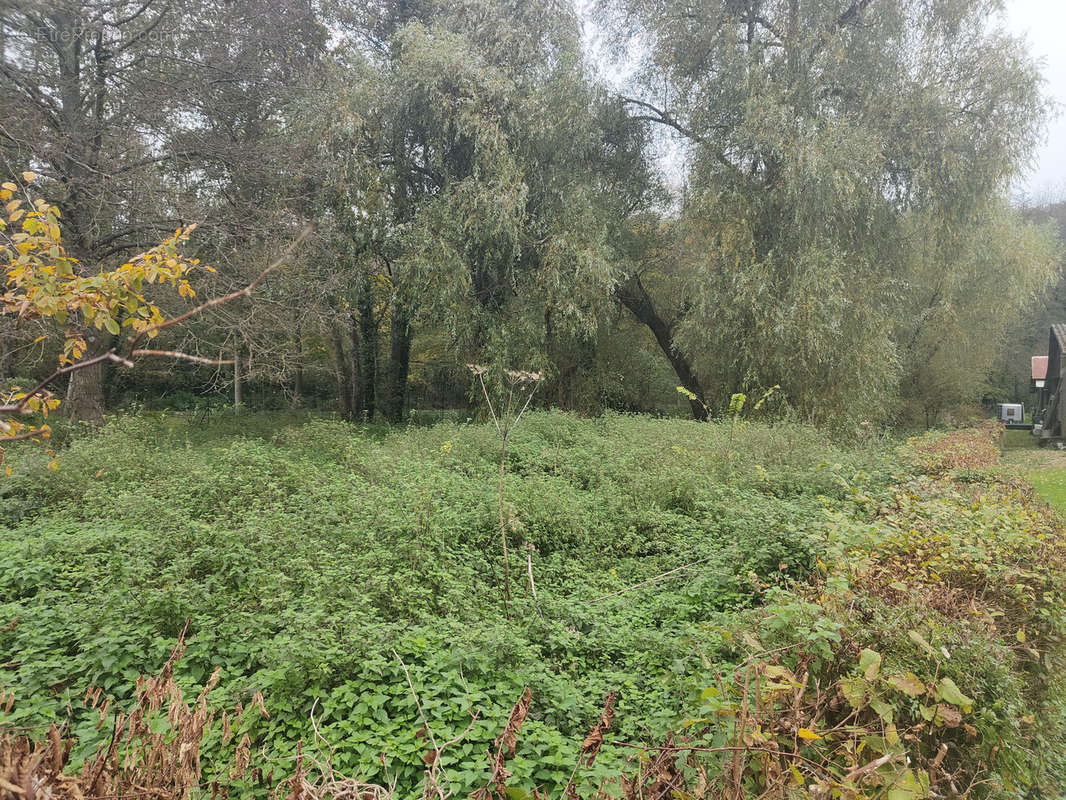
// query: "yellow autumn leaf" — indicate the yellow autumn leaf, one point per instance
point(807, 734)
point(29, 177)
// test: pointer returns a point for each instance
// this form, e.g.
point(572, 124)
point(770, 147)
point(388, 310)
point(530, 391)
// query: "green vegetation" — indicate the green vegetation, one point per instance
point(465, 188)
point(1050, 484)
point(1043, 467)
point(430, 212)
point(311, 555)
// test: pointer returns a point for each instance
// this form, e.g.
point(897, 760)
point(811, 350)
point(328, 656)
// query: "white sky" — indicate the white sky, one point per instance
point(1043, 24)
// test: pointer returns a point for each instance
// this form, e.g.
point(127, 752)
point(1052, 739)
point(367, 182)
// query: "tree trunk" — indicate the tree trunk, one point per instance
point(357, 376)
point(237, 388)
point(85, 392)
point(298, 379)
point(109, 373)
point(368, 352)
point(634, 296)
point(340, 370)
point(399, 362)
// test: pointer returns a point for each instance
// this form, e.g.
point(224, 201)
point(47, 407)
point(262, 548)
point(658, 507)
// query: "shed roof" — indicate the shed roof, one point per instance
point(1039, 368)
point(1058, 333)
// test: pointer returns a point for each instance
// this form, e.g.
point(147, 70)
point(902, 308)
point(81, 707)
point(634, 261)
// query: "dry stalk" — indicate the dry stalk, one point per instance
point(505, 419)
point(506, 744)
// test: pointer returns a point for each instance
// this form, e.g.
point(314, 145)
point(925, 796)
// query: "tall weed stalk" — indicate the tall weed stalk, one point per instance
point(516, 385)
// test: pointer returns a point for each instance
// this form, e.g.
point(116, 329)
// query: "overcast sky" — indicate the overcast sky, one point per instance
point(1043, 24)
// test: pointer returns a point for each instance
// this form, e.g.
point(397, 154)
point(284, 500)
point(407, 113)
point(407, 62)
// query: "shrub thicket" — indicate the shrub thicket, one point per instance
point(316, 561)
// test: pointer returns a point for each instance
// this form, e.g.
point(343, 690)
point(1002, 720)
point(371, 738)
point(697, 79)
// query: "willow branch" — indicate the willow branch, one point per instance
point(664, 117)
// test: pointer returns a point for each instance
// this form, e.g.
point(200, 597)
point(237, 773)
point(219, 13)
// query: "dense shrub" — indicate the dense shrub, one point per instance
point(311, 556)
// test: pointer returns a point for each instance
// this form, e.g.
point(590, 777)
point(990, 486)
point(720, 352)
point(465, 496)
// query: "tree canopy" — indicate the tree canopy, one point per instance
point(833, 217)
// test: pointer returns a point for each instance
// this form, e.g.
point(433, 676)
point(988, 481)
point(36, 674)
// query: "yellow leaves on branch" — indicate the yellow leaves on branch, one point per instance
point(42, 280)
point(12, 429)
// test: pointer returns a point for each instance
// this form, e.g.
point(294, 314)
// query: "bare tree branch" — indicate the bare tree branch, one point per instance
point(110, 355)
point(245, 292)
point(177, 354)
point(19, 407)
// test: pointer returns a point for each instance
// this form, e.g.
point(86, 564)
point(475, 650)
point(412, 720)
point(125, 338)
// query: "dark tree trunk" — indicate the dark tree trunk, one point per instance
point(85, 392)
point(634, 296)
point(368, 351)
point(85, 395)
point(357, 376)
point(399, 363)
point(341, 370)
point(298, 382)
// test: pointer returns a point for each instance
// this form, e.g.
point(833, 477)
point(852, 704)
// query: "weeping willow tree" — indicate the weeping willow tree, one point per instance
point(842, 232)
point(480, 177)
point(965, 300)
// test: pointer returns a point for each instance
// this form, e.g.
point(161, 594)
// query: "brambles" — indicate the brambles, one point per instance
point(939, 453)
point(151, 747)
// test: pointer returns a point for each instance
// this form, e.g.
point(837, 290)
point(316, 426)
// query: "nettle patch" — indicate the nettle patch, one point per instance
point(805, 621)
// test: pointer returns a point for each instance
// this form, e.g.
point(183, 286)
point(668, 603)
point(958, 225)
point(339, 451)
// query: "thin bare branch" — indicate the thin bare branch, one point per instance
point(212, 362)
point(655, 579)
point(217, 301)
point(17, 408)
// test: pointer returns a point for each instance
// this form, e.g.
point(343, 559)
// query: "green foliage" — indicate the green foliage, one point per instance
point(303, 553)
point(669, 557)
point(947, 596)
point(827, 240)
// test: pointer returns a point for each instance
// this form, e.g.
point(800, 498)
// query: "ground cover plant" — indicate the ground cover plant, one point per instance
point(1043, 466)
point(763, 611)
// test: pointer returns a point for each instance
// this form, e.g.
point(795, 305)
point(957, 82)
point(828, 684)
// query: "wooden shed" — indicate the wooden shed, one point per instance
point(1052, 389)
point(1039, 384)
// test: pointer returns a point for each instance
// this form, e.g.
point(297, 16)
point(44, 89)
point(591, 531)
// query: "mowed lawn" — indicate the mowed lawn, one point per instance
point(1045, 467)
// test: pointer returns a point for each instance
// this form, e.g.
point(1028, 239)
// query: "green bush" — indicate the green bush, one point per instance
point(308, 553)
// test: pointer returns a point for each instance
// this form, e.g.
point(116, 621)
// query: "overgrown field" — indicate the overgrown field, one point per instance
point(801, 610)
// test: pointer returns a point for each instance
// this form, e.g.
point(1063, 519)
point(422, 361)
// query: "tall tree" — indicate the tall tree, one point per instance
point(479, 176)
point(822, 138)
point(127, 110)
